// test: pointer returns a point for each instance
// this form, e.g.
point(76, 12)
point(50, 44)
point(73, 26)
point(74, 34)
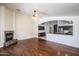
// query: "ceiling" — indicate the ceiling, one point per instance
point(47, 9)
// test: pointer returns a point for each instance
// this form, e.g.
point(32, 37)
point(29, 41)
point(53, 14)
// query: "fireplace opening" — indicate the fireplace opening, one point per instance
point(9, 35)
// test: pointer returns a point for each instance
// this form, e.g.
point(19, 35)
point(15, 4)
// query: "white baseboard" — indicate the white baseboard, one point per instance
point(24, 37)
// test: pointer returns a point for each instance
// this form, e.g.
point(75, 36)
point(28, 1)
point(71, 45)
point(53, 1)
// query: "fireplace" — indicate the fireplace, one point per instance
point(9, 38)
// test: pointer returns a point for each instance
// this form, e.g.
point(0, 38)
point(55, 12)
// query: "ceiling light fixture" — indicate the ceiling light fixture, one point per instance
point(38, 14)
point(35, 15)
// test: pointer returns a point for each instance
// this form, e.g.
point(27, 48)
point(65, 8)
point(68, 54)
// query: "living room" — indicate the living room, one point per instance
point(22, 32)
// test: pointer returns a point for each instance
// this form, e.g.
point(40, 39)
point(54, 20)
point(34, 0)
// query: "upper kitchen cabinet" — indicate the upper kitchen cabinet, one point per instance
point(65, 23)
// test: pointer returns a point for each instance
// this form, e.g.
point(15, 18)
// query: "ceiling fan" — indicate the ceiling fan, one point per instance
point(37, 14)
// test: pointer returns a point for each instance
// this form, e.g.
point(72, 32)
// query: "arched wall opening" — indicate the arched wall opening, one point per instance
point(71, 40)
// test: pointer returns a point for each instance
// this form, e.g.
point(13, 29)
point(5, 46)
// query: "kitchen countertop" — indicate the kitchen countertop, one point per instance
point(64, 33)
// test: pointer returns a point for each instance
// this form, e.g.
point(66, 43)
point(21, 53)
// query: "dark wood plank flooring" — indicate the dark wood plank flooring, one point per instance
point(39, 47)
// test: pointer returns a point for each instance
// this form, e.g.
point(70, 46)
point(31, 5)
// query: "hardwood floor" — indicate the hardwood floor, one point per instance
point(38, 47)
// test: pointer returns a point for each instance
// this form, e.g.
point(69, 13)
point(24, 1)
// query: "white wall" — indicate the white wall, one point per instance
point(8, 19)
point(64, 39)
point(24, 26)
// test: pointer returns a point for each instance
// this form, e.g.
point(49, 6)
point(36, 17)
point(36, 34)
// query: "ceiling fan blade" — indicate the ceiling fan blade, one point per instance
point(41, 12)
